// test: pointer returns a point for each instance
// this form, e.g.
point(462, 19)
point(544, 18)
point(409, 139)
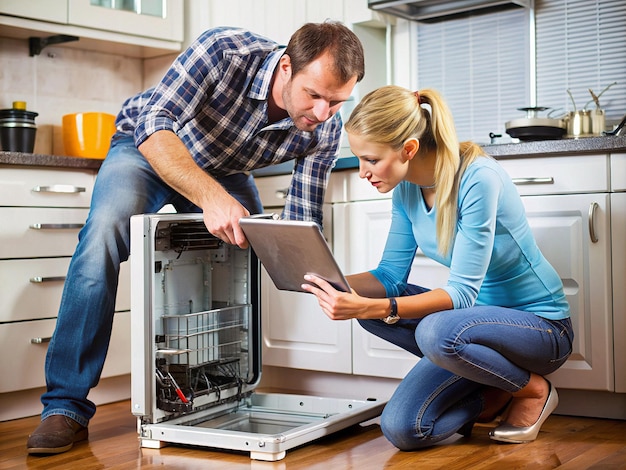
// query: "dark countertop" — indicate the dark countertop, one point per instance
point(563, 147)
point(34, 159)
point(581, 146)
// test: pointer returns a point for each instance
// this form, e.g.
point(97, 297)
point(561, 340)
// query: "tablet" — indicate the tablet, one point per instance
point(289, 249)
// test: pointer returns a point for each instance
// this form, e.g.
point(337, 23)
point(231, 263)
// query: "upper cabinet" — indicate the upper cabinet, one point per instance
point(44, 10)
point(160, 19)
point(135, 28)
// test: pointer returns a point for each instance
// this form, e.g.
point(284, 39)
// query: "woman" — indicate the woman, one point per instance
point(501, 323)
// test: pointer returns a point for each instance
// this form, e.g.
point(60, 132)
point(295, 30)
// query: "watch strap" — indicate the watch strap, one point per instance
point(393, 316)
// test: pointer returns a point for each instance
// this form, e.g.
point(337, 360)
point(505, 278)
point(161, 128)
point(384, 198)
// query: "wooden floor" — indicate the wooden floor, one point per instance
point(564, 443)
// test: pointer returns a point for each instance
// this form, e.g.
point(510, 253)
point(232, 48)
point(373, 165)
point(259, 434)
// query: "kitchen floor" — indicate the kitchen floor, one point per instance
point(564, 443)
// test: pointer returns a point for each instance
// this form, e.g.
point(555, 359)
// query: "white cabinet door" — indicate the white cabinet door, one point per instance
point(156, 19)
point(297, 334)
point(361, 237)
point(275, 19)
point(618, 229)
point(46, 10)
point(563, 227)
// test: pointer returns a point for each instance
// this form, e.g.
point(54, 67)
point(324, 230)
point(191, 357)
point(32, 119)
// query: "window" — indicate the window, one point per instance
point(581, 45)
point(480, 63)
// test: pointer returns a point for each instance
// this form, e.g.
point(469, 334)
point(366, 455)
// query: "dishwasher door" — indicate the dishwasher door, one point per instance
point(196, 349)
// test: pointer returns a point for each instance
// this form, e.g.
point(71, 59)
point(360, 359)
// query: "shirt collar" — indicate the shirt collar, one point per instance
point(262, 80)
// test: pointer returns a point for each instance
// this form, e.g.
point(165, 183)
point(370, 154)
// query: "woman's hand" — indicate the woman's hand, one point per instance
point(337, 305)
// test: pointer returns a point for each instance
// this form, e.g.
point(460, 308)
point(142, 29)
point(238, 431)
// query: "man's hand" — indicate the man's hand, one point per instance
point(222, 219)
point(173, 163)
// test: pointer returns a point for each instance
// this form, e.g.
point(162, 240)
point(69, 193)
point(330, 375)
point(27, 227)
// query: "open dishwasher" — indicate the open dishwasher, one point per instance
point(196, 349)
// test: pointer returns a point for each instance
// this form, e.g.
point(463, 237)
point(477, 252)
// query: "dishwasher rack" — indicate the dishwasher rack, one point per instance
point(203, 353)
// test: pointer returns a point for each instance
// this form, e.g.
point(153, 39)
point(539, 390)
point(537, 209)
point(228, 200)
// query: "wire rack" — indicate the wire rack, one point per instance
point(218, 335)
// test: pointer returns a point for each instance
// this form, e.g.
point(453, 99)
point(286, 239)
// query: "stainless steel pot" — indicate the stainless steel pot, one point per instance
point(532, 127)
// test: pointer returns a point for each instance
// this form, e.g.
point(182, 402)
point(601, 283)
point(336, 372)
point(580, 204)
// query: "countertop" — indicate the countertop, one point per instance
point(34, 159)
point(564, 147)
point(583, 145)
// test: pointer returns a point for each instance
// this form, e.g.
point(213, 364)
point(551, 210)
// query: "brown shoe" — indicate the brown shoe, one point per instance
point(55, 434)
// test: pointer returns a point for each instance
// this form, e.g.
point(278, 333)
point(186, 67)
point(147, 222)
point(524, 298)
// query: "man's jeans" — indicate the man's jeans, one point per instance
point(462, 351)
point(126, 185)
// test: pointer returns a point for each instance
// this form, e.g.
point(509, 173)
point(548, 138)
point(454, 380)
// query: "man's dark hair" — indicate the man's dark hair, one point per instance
point(313, 39)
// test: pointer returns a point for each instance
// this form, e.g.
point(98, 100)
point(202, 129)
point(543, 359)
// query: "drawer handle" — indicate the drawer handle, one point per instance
point(59, 188)
point(55, 226)
point(40, 340)
point(41, 279)
point(592, 229)
point(282, 193)
point(533, 180)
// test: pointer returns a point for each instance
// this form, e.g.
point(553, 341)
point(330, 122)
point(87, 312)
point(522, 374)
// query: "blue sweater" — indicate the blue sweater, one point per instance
point(495, 259)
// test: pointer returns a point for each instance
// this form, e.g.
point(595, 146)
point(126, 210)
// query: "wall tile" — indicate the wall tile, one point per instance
point(64, 80)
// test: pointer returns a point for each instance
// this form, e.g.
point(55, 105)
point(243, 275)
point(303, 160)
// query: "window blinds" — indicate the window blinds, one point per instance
point(482, 63)
point(581, 44)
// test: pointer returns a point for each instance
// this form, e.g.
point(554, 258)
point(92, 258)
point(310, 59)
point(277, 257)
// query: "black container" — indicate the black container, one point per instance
point(17, 130)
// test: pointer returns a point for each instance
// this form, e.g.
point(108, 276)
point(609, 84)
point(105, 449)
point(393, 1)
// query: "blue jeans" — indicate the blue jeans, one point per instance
point(126, 185)
point(462, 352)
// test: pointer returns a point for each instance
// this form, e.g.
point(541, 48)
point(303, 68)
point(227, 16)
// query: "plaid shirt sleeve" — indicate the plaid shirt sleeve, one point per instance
point(310, 176)
point(180, 96)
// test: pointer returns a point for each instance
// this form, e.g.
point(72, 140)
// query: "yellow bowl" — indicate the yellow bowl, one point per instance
point(88, 135)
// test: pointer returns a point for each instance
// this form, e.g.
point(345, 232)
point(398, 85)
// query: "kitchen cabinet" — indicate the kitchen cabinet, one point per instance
point(561, 227)
point(296, 333)
point(45, 10)
point(154, 28)
point(618, 229)
point(361, 239)
point(359, 242)
point(261, 16)
point(569, 213)
point(276, 19)
point(157, 19)
point(43, 210)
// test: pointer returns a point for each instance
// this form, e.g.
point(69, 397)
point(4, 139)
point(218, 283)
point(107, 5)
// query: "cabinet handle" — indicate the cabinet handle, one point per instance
point(533, 180)
point(41, 279)
point(282, 193)
point(59, 188)
point(54, 226)
point(40, 340)
point(592, 230)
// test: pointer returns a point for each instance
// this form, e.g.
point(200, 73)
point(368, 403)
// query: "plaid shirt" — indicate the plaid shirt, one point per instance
point(214, 97)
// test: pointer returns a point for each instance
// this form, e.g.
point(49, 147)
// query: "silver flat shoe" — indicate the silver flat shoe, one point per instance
point(520, 435)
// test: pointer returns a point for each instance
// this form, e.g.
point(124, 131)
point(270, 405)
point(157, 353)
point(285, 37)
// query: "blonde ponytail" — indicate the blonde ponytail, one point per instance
point(391, 115)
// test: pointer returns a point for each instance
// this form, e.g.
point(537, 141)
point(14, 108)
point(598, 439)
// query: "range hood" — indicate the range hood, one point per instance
point(435, 9)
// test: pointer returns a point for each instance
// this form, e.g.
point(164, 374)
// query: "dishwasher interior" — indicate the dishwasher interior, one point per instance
point(196, 349)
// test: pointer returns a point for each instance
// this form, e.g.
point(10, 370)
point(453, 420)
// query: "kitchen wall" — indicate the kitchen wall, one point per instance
point(64, 80)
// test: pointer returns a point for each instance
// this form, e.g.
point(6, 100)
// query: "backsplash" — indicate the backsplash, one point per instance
point(63, 80)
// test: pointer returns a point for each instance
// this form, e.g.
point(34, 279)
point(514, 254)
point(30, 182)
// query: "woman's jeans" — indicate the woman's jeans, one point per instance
point(463, 351)
point(126, 185)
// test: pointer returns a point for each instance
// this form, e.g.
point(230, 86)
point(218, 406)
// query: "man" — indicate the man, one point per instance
point(232, 102)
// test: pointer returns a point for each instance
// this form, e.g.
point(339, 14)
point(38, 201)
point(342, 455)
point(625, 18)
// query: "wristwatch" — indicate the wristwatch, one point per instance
point(393, 316)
